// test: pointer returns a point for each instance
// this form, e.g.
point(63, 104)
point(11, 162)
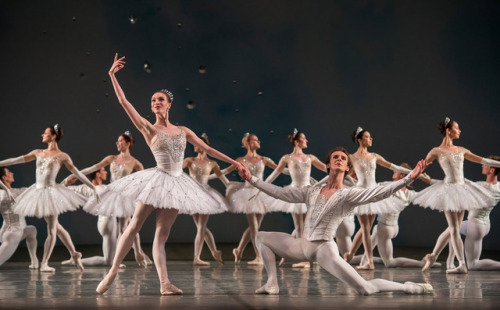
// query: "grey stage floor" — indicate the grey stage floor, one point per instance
point(232, 286)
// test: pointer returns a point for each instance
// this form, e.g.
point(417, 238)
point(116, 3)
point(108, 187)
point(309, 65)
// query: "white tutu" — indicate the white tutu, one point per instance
point(217, 196)
point(240, 203)
point(52, 200)
point(379, 207)
point(454, 197)
point(161, 190)
point(283, 206)
point(115, 205)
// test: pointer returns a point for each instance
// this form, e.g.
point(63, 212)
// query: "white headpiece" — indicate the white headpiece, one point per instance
point(245, 136)
point(169, 93)
point(127, 133)
point(446, 121)
point(204, 135)
point(358, 130)
point(56, 129)
point(295, 132)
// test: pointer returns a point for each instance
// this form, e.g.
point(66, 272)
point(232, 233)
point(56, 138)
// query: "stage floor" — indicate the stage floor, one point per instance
point(232, 286)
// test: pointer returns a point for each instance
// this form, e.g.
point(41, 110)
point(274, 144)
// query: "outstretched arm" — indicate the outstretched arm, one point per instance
point(19, 160)
point(288, 194)
point(103, 163)
point(66, 160)
point(277, 171)
point(318, 163)
point(480, 160)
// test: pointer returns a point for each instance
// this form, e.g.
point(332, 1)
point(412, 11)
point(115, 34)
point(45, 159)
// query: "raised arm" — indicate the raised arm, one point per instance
point(386, 164)
point(19, 160)
point(480, 160)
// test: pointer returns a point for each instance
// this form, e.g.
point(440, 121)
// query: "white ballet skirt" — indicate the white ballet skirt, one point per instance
point(46, 197)
point(239, 197)
point(117, 204)
point(200, 174)
point(365, 172)
point(300, 172)
point(165, 186)
point(455, 193)
point(11, 220)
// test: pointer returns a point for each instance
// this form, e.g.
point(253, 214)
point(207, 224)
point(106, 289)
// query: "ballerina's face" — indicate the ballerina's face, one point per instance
point(160, 103)
point(122, 145)
point(47, 136)
point(253, 142)
point(301, 141)
point(454, 131)
point(366, 140)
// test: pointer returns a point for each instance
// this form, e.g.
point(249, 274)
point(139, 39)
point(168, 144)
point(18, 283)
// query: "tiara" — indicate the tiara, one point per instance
point(168, 93)
point(446, 121)
point(56, 129)
point(204, 135)
point(358, 130)
point(127, 133)
point(245, 136)
point(295, 132)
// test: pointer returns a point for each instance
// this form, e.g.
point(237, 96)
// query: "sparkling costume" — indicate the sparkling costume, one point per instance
point(11, 220)
point(399, 200)
point(46, 197)
point(482, 216)
point(455, 193)
point(239, 199)
point(166, 186)
point(200, 174)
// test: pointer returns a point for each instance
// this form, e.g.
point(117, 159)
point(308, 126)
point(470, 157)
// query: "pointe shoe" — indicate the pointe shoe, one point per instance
point(237, 256)
point(199, 262)
point(68, 262)
point(348, 256)
point(105, 284)
point(140, 259)
point(218, 256)
point(77, 258)
point(147, 260)
point(369, 266)
point(282, 262)
point(302, 265)
point(430, 259)
point(34, 265)
point(461, 269)
point(426, 288)
point(256, 262)
point(269, 290)
point(46, 268)
point(168, 288)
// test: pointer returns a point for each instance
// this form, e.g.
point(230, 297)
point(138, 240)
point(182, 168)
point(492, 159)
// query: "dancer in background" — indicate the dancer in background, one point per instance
point(200, 168)
point(455, 194)
point(327, 205)
point(48, 199)
point(346, 228)
point(118, 205)
point(164, 189)
point(14, 228)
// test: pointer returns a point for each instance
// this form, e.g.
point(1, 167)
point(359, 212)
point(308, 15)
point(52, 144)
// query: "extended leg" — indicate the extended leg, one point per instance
point(473, 247)
point(201, 226)
point(10, 242)
point(68, 243)
point(31, 244)
point(49, 242)
point(254, 221)
point(454, 220)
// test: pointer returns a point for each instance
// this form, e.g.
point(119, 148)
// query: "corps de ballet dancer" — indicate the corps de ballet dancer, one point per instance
point(326, 206)
point(240, 201)
point(200, 168)
point(477, 226)
point(117, 205)
point(165, 188)
point(455, 194)
point(365, 163)
point(14, 228)
point(48, 199)
point(299, 167)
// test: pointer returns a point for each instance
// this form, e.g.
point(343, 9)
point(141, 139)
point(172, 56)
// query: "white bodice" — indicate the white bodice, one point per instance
point(365, 171)
point(11, 220)
point(400, 200)
point(46, 170)
point(300, 171)
point(482, 216)
point(168, 151)
point(200, 172)
point(119, 171)
point(453, 166)
point(257, 170)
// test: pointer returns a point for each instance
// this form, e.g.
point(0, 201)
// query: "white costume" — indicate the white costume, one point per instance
point(346, 228)
point(166, 186)
point(455, 193)
point(200, 174)
point(323, 217)
point(46, 197)
point(240, 199)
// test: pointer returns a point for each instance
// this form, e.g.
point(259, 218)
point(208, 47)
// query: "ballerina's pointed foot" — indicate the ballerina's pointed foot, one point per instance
point(419, 288)
point(268, 289)
point(302, 265)
point(348, 256)
point(461, 269)
point(199, 262)
point(256, 262)
point(77, 259)
point(46, 268)
point(168, 288)
point(369, 266)
point(68, 262)
point(34, 265)
point(218, 256)
point(237, 256)
point(429, 259)
point(147, 260)
point(105, 284)
point(140, 259)
point(282, 262)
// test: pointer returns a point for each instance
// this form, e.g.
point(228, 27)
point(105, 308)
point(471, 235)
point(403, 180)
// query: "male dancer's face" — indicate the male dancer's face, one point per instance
point(8, 178)
point(338, 162)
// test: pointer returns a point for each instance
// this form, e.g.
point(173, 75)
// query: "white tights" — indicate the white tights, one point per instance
point(344, 234)
point(106, 226)
point(327, 255)
point(452, 234)
point(203, 234)
point(11, 240)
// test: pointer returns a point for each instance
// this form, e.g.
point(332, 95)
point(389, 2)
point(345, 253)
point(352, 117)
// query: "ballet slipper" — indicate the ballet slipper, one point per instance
point(105, 284)
point(282, 262)
point(218, 256)
point(77, 258)
point(269, 290)
point(369, 266)
point(430, 259)
point(46, 268)
point(168, 288)
point(348, 256)
point(452, 266)
point(302, 265)
point(140, 259)
point(461, 269)
point(237, 256)
point(256, 262)
point(419, 288)
point(199, 262)
point(68, 262)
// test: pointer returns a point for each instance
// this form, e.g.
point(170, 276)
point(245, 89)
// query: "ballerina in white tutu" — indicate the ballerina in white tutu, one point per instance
point(117, 205)
point(455, 194)
point(14, 228)
point(364, 164)
point(48, 199)
point(299, 166)
point(200, 168)
point(165, 188)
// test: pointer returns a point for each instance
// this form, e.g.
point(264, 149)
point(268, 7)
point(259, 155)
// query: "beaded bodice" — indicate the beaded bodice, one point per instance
point(168, 151)
point(365, 171)
point(256, 169)
point(200, 172)
point(300, 171)
point(46, 170)
point(11, 221)
point(482, 216)
point(119, 171)
point(453, 166)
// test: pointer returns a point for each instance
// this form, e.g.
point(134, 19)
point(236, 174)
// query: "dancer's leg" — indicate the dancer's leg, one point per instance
point(107, 227)
point(343, 236)
point(49, 242)
point(454, 220)
point(254, 221)
point(441, 243)
point(385, 234)
point(68, 243)
point(29, 233)
point(374, 238)
point(298, 223)
point(366, 222)
point(473, 246)
point(209, 239)
point(139, 255)
point(201, 225)
point(10, 242)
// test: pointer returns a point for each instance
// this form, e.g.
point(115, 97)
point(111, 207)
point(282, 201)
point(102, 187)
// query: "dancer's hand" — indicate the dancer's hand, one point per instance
point(243, 172)
point(118, 64)
point(70, 180)
point(419, 168)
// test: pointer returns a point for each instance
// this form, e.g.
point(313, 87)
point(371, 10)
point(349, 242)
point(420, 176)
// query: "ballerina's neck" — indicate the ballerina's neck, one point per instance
point(52, 146)
point(447, 142)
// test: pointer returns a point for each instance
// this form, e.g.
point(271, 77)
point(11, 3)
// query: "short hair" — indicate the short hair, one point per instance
point(337, 149)
point(2, 172)
point(497, 158)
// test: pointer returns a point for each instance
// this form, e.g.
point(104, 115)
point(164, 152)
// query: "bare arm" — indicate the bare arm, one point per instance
point(186, 162)
point(138, 166)
point(318, 163)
